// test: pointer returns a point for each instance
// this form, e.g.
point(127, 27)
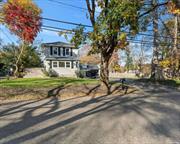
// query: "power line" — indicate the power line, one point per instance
point(72, 23)
point(62, 21)
point(65, 22)
point(54, 29)
point(66, 4)
point(7, 36)
point(61, 29)
point(131, 41)
point(81, 8)
point(70, 5)
point(77, 24)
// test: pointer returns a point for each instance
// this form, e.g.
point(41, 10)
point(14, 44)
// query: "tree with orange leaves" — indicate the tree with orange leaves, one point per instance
point(22, 17)
point(174, 6)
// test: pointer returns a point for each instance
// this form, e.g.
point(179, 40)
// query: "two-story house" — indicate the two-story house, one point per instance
point(61, 57)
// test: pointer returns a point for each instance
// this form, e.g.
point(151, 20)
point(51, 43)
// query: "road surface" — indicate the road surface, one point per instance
point(150, 116)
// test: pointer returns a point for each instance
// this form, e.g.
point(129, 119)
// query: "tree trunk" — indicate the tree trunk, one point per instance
point(104, 73)
point(174, 56)
point(156, 70)
point(17, 65)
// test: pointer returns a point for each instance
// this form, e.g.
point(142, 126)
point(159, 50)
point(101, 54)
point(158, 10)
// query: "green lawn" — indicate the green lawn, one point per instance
point(44, 82)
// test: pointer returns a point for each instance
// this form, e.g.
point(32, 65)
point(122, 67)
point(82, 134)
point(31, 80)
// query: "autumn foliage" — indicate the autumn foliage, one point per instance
point(23, 19)
point(174, 7)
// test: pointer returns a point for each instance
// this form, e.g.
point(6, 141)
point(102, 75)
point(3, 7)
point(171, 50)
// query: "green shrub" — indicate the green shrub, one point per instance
point(50, 73)
point(80, 73)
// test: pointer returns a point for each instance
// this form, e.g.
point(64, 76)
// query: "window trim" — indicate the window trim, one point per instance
point(64, 64)
point(68, 51)
point(69, 64)
point(54, 50)
point(56, 64)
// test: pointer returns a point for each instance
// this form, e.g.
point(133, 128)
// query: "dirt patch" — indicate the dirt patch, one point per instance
point(64, 92)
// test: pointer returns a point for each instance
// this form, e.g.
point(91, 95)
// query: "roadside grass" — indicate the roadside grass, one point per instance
point(174, 83)
point(44, 82)
point(63, 88)
point(167, 82)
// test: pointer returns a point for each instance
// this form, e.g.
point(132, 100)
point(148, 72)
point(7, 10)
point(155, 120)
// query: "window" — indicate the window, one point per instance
point(55, 64)
point(61, 64)
point(67, 52)
point(55, 50)
point(68, 64)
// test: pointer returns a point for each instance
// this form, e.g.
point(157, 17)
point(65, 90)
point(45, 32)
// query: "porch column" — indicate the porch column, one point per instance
point(72, 64)
point(50, 63)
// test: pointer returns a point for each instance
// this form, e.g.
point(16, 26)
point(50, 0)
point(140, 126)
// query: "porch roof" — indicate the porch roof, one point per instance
point(58, 44)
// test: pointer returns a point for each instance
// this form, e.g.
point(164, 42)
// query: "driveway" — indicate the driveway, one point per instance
point(148, 116)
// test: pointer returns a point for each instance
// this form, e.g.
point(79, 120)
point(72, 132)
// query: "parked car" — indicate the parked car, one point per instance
point(87, 71)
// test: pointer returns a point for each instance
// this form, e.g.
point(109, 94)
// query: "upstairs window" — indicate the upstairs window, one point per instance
point(67, 52)
point(55, 50)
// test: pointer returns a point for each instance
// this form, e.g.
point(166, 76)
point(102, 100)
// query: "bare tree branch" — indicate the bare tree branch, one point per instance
point(91, 10)
point(153, 8)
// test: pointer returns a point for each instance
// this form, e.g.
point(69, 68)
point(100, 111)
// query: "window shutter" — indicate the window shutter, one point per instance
point(59, 51)
point(51, 50)
point(64, 51)
point(71, 52)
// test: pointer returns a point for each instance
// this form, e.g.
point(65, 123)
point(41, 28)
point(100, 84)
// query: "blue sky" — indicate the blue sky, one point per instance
point(54, 10)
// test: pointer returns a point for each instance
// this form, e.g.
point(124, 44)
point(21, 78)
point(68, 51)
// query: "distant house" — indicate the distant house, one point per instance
point(61, 57)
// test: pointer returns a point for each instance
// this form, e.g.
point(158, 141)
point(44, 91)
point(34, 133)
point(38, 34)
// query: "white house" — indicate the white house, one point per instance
point(61, 57)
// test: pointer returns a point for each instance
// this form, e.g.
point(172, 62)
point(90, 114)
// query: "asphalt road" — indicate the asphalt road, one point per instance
point(151, 116)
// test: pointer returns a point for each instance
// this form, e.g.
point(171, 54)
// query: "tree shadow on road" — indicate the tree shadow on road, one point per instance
point(118, 105)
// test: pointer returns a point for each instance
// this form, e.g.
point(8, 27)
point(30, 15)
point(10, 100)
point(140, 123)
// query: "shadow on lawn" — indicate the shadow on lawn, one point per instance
point(119, 105)
point(88, 90)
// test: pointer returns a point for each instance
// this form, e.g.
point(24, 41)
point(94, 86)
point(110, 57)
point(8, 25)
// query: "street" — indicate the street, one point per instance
point(148, 116)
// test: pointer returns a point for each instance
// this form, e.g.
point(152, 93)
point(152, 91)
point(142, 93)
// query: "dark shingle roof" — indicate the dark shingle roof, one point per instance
point(58, 44)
